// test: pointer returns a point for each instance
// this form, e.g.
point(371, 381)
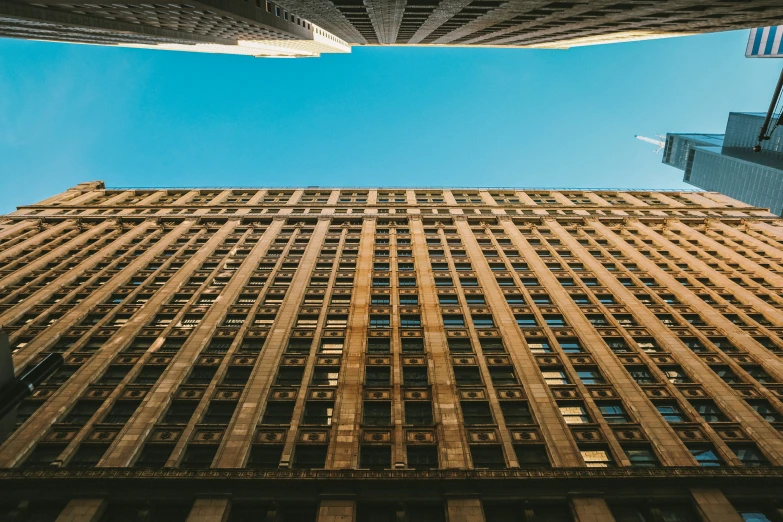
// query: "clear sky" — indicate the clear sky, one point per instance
point(377, 117)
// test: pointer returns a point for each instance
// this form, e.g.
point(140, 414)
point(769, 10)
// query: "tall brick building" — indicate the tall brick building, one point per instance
point(414, 355)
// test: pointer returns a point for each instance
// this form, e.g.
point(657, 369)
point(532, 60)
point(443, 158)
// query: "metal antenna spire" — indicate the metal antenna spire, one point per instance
point(660, 142)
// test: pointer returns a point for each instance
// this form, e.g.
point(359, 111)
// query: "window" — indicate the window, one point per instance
point(82, 412)
point(483, 321)
point(265, 456)
point(675, 375)
point(415, 376)
point(538, 346)
point(526, 320)
point(589, 377)
point(487, 456)
point(532, 456)
point(309, 456)
point(326, 376)
point(412, 346)
point(198, 456)
point(377, 413)
point(121, 412)
point(476, 412)
point(555, 377)
point(377, 376)
point(379, 321)
point(765, 409)
point(492, 345)
point(516, 412)
point(422, 457)
point(278, 413)
point(502, 375)
point(289, 377)
point(43, 456)
point(749, 454)
point(467, 376)
point(597, 458)
point(446, 299)
point(378, 345)
point(571, 346)
point(418, 413)
point(88, 455)
point(554, 320)
point(709, 411)
point(180, 412)
point(219, 412)
point(409, 300)
point(154, 456)
point(318, 413)
point(613, 412)
point(410, 321)
point(375, 457)
point(642, 457)
point(641, 375)
point(574, 414)
point(460, 346)
point(453, 321)
point(379, 300)
point(705, 456)
point(671, 412)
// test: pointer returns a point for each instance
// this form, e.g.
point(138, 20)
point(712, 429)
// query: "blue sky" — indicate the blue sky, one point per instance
point(378, 117)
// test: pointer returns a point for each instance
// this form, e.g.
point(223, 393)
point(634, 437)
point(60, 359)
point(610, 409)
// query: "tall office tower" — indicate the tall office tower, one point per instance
point(247, 27)
point(259, 27)
point(726, 163)
point(335, 355)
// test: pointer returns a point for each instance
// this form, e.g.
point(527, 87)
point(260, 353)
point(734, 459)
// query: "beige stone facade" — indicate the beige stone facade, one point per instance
point(395, 355)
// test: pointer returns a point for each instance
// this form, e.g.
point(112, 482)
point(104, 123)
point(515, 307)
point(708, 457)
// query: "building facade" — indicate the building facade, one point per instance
point(420, 355)
point(310, 27)
point(726, 163)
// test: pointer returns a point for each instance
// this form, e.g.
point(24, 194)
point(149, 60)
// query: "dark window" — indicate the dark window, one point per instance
point(114, 374)
point(180, 412)
point(219, 412)
point(202, 374)
point(318, 413)
point(309, 457)
point(377, 413)
point(476, 412)
point(749, 454)
point(487, 456)
point(765, 409)
point(709, 411)
point(278, 413)
point(532, 456)
point(154, 456)
point(289, 377)
point(149, 374)
point(81, 412)
point(375, 457)
point(43, 455)
point(88, 455)
point(492, 345)
point(422, 457)
point(377, 376)
point(467, 376)
point(502, 375)
point(642, 457)
point(121, 412)
point(516, 412)
point(237, 375)
point(198, 456)
point(415, 376)
point(378, 345)
point(265, 456)
point(418, 413)
point(412, 346)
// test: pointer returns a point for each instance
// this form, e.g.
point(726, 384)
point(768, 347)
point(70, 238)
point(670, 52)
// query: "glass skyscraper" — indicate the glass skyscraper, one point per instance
point(726, 162)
